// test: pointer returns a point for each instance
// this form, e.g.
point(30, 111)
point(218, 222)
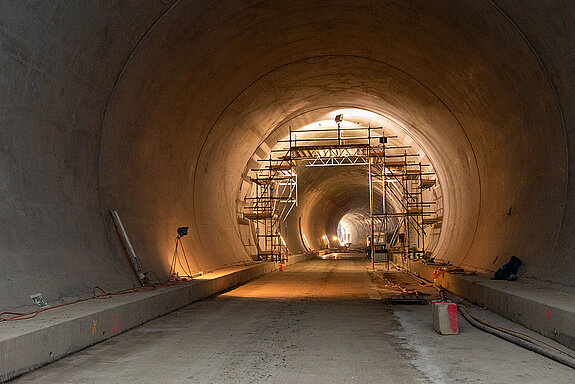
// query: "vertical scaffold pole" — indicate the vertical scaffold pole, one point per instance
point(422, 210)
point(384, 196)
point(372, 242)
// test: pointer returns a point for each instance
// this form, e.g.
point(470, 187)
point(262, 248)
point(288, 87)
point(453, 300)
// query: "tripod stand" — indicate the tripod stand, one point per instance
point(176, 260)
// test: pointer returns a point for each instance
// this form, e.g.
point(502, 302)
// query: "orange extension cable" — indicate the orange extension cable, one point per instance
point(103, 295)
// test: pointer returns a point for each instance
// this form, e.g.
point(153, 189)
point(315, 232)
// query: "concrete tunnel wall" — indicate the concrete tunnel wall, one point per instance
point(155, 108)
point(321, 206)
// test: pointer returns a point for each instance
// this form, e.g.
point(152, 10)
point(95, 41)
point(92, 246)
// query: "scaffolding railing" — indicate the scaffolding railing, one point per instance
point(399, 174)
point(275, 195)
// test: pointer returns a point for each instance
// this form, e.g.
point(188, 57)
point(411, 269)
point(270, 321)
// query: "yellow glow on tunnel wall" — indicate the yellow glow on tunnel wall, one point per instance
point(305, 242)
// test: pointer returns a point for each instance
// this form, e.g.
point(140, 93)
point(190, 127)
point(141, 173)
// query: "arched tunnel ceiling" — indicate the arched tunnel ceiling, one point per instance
point(253, 115)
point(156, 111)
point(214, 101)
point(324, 200)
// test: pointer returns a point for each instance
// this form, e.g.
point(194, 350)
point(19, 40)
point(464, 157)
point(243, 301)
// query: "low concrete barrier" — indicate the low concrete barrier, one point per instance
point(546, 311)
point(29, 344)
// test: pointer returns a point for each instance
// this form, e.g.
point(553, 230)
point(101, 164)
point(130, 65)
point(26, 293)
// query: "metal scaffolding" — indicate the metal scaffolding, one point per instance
point(275, 196)
point(392, 171)
point(404, 179)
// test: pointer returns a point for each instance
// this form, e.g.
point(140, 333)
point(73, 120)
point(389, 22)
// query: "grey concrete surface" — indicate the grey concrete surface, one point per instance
point(320, 321)
point(156, 109)
point(28, 344)
point(543, 309)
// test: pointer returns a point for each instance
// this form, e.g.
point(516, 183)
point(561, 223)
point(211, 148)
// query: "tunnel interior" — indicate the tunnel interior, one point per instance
point(160, 111)
point(333, 192)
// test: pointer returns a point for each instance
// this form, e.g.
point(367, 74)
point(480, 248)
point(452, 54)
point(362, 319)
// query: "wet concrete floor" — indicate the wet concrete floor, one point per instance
point(321, 321)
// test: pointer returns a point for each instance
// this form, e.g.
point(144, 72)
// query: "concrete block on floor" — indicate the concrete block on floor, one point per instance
point(445, 318)
point(546, 311)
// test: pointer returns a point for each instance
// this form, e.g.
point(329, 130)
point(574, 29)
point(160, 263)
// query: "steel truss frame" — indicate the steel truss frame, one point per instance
point(275, 196)
point(398, 173)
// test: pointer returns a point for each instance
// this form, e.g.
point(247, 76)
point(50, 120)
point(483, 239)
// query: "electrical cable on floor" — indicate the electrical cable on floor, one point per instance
point(391, 284)
point(95, 296)
point(146, 284)
point(514, 337)
point(520, 339)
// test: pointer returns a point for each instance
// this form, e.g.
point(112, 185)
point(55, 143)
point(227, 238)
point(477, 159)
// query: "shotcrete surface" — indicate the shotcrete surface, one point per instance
point(320, 321)
point(156, 109)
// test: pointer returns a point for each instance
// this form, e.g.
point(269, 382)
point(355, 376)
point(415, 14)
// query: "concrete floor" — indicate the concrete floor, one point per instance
point(320, 321)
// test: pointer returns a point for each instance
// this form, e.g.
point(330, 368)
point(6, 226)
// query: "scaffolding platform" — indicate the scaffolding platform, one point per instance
point(398, 172)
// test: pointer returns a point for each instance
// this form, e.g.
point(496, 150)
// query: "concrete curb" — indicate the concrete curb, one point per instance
point(546, 311)
point(29, 344)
